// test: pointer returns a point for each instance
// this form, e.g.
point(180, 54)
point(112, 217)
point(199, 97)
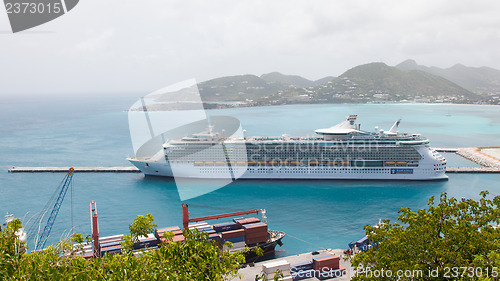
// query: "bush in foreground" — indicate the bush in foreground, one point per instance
point(451, 240)
point(193, 259)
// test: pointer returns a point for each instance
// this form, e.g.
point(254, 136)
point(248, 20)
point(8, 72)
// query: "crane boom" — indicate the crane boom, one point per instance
point(40, 243)
point(186, 220)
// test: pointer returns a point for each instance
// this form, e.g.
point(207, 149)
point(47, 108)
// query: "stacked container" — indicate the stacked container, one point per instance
point(255, 233)
point(159, 232)
point(237, 237)
point(178, 236)
point(225, 226)
point(271, 268)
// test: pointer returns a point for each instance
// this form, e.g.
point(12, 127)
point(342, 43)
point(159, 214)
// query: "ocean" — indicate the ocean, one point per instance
point(315, 214)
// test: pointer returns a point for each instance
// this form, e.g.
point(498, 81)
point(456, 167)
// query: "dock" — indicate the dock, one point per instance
point(129, 169)
point(472, 170)
point(455, 150)
point(249, 272)
point(487, 157)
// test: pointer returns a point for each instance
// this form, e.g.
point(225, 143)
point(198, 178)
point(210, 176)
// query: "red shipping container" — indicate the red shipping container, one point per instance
point(159, 234)
point(255, 228)
point(177, 232)
point(240, 223)
point(326, 263)
point(178, 238)
point(233, 233)
point(342, 269)
point(171, 228)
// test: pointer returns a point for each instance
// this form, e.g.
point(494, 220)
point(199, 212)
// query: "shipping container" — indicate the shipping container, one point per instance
point(246, 221)
point(111, 250)
point(226, 226)
point(255, 228)
point(172, 228)
point(302, 266)
point(233, 233)
point(234, 239)
point(146, 243)
point(110, 244)
point(256, 232)
point(271, 267)
point(326, 263)
point(178, 238)
point(236, 246)
point(111, 238)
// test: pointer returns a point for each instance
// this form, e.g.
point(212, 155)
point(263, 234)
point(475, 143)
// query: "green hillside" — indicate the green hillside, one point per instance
point(379, 82)
point(480, 80)
point(287, 80)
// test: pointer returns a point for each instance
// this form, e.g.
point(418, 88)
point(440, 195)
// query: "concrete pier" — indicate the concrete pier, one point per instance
point(77, 170)
point(446, 149)
point(472, 170)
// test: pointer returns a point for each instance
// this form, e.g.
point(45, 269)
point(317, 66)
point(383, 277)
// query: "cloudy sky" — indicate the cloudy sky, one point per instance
point(118, 46)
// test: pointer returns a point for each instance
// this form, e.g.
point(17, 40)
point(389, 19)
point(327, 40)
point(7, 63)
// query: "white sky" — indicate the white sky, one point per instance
point(116, 46)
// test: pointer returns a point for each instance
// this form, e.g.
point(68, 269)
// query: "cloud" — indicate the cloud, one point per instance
point(140, 46)
point(96, 41)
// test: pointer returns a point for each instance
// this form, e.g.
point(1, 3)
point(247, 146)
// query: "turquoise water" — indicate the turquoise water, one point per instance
point(329, 214)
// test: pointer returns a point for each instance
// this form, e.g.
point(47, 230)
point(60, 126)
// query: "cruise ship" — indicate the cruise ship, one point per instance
point(343, 151)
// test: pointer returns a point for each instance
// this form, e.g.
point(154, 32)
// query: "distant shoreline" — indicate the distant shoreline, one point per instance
point(229, 105)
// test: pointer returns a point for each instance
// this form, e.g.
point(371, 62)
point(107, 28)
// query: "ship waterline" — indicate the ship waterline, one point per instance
point(340, 152)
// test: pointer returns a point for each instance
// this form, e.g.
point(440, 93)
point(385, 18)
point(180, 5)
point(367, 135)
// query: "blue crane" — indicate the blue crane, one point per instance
point(40, 242)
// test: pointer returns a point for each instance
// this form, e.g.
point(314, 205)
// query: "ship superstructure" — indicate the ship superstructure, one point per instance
point(343, 151)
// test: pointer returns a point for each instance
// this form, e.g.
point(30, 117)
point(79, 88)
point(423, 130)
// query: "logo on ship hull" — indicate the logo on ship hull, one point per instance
point(402, 171)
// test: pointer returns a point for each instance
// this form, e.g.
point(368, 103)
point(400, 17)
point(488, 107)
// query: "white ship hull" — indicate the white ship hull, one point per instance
point(188, 170)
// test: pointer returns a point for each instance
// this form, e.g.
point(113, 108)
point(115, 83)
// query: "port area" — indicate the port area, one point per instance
point(249, 272)
point(487, 157)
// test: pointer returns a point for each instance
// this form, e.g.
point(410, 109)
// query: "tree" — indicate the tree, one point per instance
point(453, 240)
point(141, 227)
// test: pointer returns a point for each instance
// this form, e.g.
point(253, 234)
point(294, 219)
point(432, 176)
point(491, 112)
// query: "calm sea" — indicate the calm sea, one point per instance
point(315, 214)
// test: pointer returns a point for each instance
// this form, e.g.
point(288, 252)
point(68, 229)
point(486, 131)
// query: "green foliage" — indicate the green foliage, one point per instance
point(193, 259)
point(141, 226)
point(11, 248)
point(262, 277)
point(452, 234)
